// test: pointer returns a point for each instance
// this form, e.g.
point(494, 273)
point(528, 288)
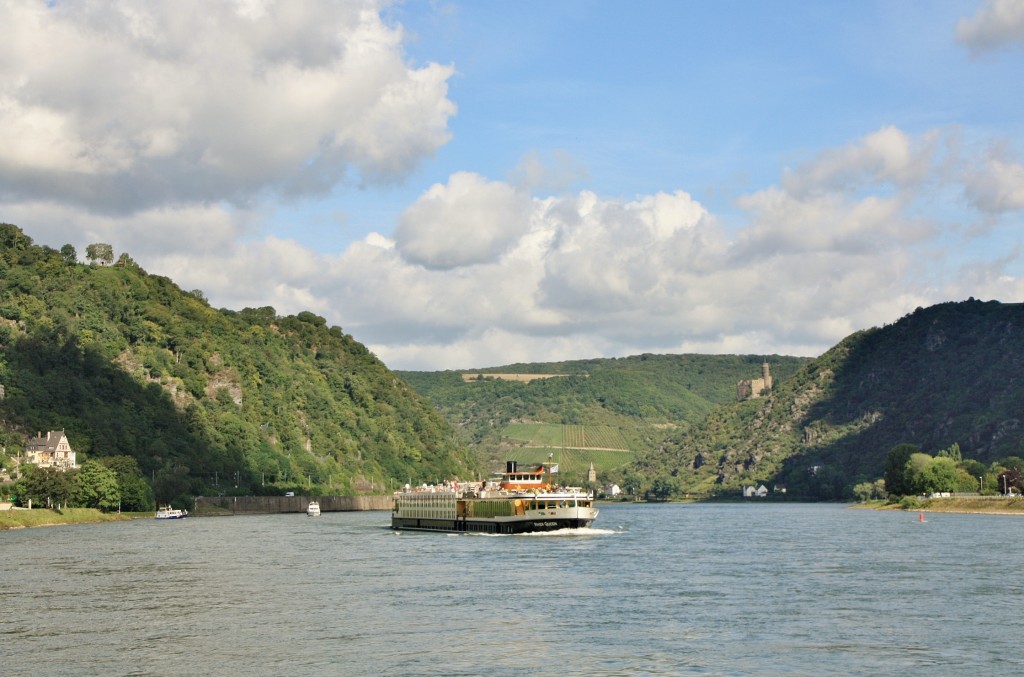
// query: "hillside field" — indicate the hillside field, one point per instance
point(573, 447)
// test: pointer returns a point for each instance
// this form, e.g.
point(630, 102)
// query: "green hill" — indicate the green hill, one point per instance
point(949, 374)
point(599, 411)
point(208, 401)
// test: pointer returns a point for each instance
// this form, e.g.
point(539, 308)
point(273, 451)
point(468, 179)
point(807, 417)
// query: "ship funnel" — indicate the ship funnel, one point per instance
point(511, 466)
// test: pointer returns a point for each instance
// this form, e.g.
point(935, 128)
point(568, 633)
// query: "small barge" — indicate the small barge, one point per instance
point(517, 501)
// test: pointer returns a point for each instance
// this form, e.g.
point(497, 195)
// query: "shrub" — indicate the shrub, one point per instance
point(910, 503)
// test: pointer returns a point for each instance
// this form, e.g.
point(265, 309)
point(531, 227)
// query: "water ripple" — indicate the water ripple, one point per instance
point(684, 590)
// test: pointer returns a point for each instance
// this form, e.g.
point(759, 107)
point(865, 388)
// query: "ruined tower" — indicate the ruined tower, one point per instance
point(754, 388)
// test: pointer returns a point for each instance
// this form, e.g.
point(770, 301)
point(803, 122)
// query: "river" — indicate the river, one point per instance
point(735, 589)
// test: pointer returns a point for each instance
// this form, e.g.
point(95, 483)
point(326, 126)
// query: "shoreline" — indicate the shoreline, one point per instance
point(23, 518)
point(965, 506)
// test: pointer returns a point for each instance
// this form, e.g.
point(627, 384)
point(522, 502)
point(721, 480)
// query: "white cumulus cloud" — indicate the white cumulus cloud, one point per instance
point(171, 128)
point(886, 156)
point(470, 220)
point(996, 24)
point(481, 274)
point(995, 184)
point(124, 107)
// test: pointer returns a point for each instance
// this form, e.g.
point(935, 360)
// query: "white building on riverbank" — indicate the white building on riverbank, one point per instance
point(52, 451)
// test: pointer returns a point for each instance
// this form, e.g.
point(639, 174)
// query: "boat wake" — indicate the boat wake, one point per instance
point(557, 533)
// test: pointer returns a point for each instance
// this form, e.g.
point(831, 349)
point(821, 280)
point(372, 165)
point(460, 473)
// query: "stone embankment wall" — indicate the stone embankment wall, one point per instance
point(256, 505)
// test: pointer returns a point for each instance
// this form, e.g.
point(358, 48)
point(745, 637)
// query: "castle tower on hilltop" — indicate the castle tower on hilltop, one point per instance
point(754, 388)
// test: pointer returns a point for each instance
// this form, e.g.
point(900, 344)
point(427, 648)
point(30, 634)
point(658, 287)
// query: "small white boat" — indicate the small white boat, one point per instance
point(313, 509)
point(166, 512)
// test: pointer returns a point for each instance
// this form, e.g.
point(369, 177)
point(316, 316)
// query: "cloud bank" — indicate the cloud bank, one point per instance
point(121, 108)
point(174, 129)
point(479, 273)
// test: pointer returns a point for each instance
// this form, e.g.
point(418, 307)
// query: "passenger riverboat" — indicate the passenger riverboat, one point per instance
point(516, 501)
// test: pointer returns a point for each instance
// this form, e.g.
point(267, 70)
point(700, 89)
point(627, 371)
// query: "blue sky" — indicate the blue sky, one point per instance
point(468, 184)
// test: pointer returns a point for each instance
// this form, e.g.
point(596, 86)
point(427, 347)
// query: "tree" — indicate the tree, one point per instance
point(896, 467)
point(865, 491)
point(42, 486)
point(100, 251)
point(827, 484)
point(953, 452)
point(69, 254)
point(122, 464)
point(136, 494)
point(915, 473)
point(171, 483)
point(974, 468)
point(96, 487)
point(1013, 463)
point(664, 487)
point(1011, 479)
point(941, 475)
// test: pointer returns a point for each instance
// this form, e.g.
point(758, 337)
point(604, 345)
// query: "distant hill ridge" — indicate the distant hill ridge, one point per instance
point(951, 373)
point(208, 401)
point(641, 398)
point(216, 401)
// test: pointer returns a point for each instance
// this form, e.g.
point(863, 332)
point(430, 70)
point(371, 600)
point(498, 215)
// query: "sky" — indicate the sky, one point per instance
point(467, 184)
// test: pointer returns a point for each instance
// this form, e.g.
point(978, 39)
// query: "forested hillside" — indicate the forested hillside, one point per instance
point(208, 401)
point(949, 374)
point(643, 398)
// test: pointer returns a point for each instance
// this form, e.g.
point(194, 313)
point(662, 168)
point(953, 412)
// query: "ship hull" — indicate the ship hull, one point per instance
point(495, 513)
point(487, 526)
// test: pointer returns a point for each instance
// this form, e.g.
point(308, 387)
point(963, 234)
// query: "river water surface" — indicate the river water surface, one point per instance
point(740, 589)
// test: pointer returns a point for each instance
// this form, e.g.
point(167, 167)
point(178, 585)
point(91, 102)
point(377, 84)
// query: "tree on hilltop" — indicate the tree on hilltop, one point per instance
point(100, 251)
point(69, 254)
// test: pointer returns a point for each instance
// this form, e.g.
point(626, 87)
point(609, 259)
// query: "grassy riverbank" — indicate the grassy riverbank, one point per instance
point(44, 517)
point(1000, 506)
point(980, 505)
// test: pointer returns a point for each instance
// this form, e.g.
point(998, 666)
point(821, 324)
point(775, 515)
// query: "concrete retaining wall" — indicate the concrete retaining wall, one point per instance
point(256, 505)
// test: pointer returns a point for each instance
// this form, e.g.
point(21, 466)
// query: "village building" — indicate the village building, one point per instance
point(52, 451)
point(755, 492)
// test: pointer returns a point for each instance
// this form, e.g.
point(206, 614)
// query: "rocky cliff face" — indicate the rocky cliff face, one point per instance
point(947, 374)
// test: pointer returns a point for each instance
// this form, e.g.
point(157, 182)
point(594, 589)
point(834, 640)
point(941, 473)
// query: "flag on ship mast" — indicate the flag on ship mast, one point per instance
point(553, 469)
